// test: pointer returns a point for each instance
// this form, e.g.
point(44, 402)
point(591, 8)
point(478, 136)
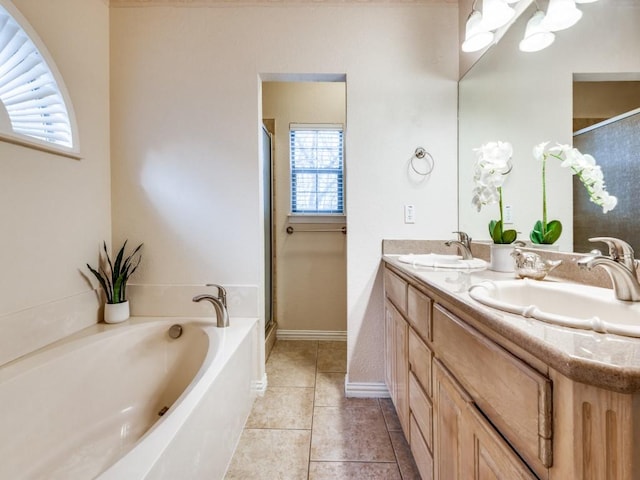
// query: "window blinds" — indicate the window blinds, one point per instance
point(28, 89)
point(317, 169)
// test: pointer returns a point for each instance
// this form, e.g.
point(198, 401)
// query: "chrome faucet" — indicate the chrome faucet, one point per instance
point(464, 245)
point(222, 316)
point(620, 265)
point(222, 293)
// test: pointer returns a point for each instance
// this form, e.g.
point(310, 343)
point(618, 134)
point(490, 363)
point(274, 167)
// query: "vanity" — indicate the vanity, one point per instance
point(483, 394)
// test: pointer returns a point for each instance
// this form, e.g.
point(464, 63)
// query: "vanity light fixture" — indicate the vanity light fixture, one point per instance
point(536, 37)
point(496, 13)
point(561, 14)
point(477, 36)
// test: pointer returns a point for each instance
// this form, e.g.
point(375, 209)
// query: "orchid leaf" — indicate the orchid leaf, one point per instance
point(547, 235)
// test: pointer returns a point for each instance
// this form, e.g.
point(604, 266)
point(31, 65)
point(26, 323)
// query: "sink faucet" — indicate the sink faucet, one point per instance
point(620, 265)
point(464, 245)
point(222, 316)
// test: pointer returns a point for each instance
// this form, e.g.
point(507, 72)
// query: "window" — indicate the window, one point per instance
point(34, 103)
point(317, 169)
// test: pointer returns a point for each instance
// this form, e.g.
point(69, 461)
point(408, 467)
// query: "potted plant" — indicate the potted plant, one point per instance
point(590, 174)
point(492, 166)
point(113, 281)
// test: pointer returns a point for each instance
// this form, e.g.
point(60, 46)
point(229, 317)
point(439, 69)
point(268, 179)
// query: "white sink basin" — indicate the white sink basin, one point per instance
point(437, 260)
point(565, 304)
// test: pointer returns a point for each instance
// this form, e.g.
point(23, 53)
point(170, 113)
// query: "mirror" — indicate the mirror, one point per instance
point(527, 98)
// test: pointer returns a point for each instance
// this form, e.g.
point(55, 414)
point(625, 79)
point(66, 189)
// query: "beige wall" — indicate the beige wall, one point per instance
point(311, 274)
point(55, 211)
point(186, 122)
point(605, 99)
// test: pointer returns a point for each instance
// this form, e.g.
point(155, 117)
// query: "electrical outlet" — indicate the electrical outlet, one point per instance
point(409, 214)
point(508, 214)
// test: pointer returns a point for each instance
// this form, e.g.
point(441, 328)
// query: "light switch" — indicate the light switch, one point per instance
point(409, 214)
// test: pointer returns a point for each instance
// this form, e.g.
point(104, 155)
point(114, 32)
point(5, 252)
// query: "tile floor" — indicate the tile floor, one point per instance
point(303, 428)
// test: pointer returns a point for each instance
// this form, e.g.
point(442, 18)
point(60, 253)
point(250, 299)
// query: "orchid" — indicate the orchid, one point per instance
point(589, 173)
point(492, 166)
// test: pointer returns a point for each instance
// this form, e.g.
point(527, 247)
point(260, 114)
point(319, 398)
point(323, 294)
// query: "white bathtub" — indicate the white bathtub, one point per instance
point(88, 407)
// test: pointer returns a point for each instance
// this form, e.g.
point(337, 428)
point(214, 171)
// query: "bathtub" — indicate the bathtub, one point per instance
point(92, 406)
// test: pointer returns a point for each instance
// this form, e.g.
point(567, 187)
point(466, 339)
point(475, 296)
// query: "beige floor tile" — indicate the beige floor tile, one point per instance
point(291, 368)
point(390, 415)
point(351, 434)
point(271, 454)
point(353, 471)
point(283, 407)
point(406, 464)
point(332, 356)
point(330, 392)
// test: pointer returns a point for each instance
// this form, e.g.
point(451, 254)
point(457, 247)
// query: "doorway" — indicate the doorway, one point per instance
point(308, 250)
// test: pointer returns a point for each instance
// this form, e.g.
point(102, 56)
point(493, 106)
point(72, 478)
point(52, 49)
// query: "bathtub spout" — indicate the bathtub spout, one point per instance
point(222, 315)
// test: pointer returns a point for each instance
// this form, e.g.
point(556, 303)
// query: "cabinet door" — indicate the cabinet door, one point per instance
point(389, 349)
point(467, 447)
point(402, 371)
point(450, 403)
point(490, 458)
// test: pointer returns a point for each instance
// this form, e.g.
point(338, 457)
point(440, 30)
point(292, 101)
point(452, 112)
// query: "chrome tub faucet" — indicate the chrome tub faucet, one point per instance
point(620, 265)
point(219, 305)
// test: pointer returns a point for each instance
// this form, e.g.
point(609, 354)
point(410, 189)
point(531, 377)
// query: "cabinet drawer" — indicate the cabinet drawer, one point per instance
point(420, 361)
point(515, 398)
point(419, 312)
point(421, 409)
point(420, 451)
point(396, 290)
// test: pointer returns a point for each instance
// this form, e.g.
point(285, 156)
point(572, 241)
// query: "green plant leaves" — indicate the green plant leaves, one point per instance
point(498, 235)
point(546, 234)
point(114, 284)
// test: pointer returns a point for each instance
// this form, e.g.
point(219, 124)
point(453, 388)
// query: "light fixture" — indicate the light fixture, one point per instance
point(496, 14)
point(586, 1)
point(561, 14)
point(536, 37)
point(476, 36)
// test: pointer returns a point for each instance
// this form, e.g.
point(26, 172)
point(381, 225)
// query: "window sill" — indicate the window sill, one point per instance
point(312, 218)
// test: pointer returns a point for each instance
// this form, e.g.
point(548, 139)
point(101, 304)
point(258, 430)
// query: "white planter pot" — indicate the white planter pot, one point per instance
point(501, 259)
point(116, 312)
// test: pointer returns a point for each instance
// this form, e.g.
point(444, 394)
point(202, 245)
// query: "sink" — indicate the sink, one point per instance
point(565, 304)
point(437, 260)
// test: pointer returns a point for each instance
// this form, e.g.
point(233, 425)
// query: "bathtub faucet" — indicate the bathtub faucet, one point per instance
point(222, 293)
point(222, 316)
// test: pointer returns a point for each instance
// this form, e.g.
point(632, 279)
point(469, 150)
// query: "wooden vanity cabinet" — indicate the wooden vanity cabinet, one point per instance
point(449, 436)
point(475, 406)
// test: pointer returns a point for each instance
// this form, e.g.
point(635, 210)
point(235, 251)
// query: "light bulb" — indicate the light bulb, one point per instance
point(561, 14)
point(476, 35)
point(536, 38)
point(496, 13)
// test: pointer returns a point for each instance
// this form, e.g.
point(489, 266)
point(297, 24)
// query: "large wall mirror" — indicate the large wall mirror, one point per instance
point(528, 98)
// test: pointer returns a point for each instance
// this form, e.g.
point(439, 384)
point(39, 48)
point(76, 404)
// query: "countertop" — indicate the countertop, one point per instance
point(603, 360)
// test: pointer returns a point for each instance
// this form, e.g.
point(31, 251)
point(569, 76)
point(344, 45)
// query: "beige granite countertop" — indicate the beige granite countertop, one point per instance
point(603, 360)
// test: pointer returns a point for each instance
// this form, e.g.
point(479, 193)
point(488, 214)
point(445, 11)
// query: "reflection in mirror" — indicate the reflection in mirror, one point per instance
point(527, 98)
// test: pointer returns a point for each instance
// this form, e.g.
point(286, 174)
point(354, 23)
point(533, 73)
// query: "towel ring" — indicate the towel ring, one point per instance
point(421, 154)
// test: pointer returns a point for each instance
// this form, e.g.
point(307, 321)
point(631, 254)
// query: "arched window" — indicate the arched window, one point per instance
point(30, 89)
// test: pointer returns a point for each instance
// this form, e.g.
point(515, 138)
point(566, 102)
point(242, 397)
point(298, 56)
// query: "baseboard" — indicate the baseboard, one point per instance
point(335, 335)
point(260, 386)
point(366, 389)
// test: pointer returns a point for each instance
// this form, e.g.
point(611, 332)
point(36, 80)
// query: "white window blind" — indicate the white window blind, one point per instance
point(28, 90)
point(317, 169)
